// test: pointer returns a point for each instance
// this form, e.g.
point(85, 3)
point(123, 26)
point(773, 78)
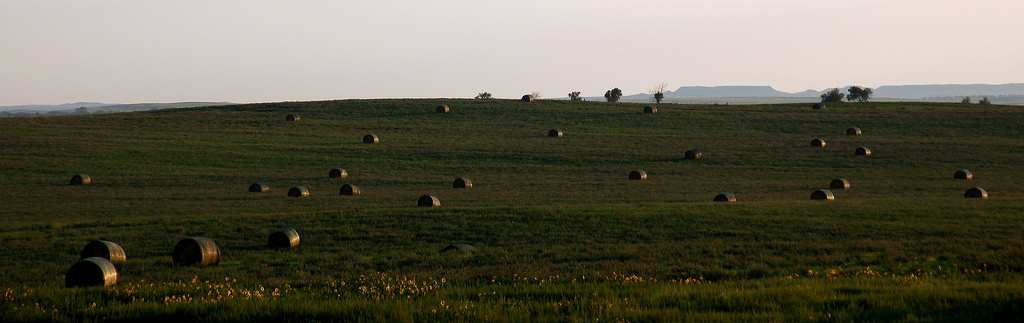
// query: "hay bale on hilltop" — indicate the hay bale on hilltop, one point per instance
point(259, 188)
point(371, 139)
point(963, 174)
point(819, 143)
point(337, 173)
point(350, 190)
point(862, 151)
point(556, 133)
point(693, 154)
point(428, 201)
point(80, 179)
point(839, 184)
point(196, 251)
point(443, 108)
point(853, 131)
point(299, 192)
point(650, 109)
point(637, 175)
point(976, 193)
point(284, 239)
point(106, 250)
point(725, 197)
point(89, 272)
point(292, 118)
point(526, 98)
point(462, 182)
point(823, 195)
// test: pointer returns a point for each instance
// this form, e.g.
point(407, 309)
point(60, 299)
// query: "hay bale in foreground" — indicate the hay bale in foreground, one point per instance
point(823, 194)
point(106, 250)
point(637, 175)
point(526, 98)
point(650, 109)
point(725, 197)
point(862, 151)
point(556, 133)
point(839, 184)
point(819, 106)
point(428, 201)
point(80, 179)
point(196, 251)
point(371, 139)
point(337, 173)
point(963, 174)
point(694, 154)
point(259, 188)
point(819, 143)
point(462, 182)
point(292, 118)
point(350, 190)
point(284, 239)
point(853, 131)
point(460, 247)
point(443, 108)
point(976, 193)
point(90, 272)
point(299, 192)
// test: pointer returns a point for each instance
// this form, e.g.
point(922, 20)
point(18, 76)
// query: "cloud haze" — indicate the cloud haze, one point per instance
point(54, 51)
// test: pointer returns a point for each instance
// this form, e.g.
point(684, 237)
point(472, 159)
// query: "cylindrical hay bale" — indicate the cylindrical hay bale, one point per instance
point(81, 179)
point(337, 173)
point(350, 190)
point(694, 154)
point(259, 188)
point(292, 118)
point(428, 201)
point(298, 192)
point(862, 151)
point(526, 98)
point(443, 108)
point(819, 106)
point(853, 131)
point(284, 239)
point(825, 195)
point(462, 182)
point(196, 251)
point(963, 174)
point(556, 133)
point(976, 193)
point(89, 272)
point(819, 143)
point(637, 175)
point(725, 197)
point(840, 184)
point(650, 109)
point(106, 250)
point(371, 139)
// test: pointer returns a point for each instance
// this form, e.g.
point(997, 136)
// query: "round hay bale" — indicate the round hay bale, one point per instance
point(976, 193)
point(862, 151)
point(106, 250)
point(337, 173)
point(963, 174)
point(650, 109)
point(694, 154)
point(298, 192)
point(460, 247)
point(462, 182)
point(291, 118)
point(725, 197)
point(196, 251)
point(556, 133)
point(853, 131)
point(443, 108)
point(350, 190)
point(526, 98)
point(284, 239)
point(839, 184)
point(81, 179)
point(259, 188)
point(371, 139)
point(819, 143)
point(428, 201)
point(819, 106)
point(823, 194)
point(90, 272)
point(637, 175)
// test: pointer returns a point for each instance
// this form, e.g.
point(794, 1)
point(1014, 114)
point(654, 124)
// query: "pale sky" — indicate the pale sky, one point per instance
point(123, 51)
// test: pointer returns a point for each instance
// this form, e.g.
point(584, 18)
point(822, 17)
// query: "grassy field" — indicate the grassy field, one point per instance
point(560, 233)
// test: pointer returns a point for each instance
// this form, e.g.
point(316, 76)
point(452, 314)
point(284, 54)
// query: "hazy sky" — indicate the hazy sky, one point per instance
point(56, 51)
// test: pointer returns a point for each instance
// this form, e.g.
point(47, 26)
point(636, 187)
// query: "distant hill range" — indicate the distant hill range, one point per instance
point(767, 94)
point(94, 107)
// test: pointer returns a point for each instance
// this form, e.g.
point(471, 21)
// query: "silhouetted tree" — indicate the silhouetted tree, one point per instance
point(859, 94)
point(613, 95)
point(832, 96)
point(658, 92)
point(984, 101)
point(483, 96)
point(966, 100)
point(575, 96)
